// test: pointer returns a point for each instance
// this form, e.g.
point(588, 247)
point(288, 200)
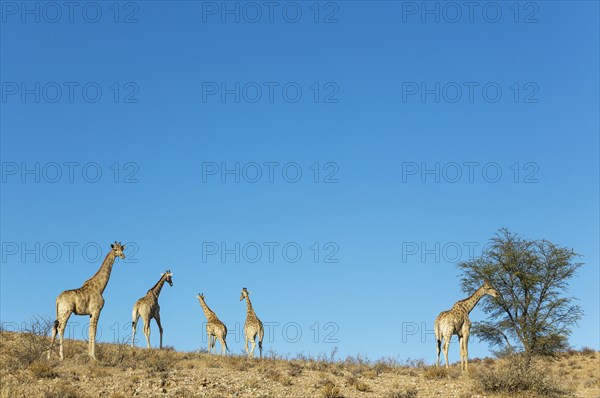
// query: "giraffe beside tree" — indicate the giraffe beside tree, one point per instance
point(87, 300)
point(215, 329)
point(456, 321)
point(253, 327)
point(147, 307)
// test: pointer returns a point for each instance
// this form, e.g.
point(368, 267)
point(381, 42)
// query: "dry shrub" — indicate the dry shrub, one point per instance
point(161, 360)
point(588, 352)
point(436, 373)
point(294, 369)
point(33, 344)
point(253, 383)
point(272, 374)
point(329, 390)
point(418, 363)
point(370, 373)
point(114, 354)
point(362, 386)
point(406, 392)
point(63, 391)
point(42, 370)
point(518, 375)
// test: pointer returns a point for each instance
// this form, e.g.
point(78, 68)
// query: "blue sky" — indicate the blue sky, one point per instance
point(415, 141)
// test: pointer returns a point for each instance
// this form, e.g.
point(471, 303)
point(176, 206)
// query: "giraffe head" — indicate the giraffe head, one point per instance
point(118, 249)
point(200, 296)
point(245, 294)
point(489, 289)
point(168, 277)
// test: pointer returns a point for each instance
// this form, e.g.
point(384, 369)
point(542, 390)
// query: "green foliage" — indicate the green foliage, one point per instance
point(533, 314)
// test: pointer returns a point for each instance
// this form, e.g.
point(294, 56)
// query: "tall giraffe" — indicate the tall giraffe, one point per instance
point(87, 300)
point(147, 307)
point(215, 329)
point(456, 321)
point(253, 326)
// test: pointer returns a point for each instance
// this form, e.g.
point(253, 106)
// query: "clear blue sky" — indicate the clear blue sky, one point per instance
point(368, 116)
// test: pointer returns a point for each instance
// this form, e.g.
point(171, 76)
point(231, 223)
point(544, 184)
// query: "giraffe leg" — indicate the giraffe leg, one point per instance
point(61, 332)
point(460, 349)
point(466, 351)
point(253, 347)
point(147, 331)
point(93, 327)
point(135, 317)
point(160, 329)
point(446, 346)
point(54, 332)
point(133, 330)
point(247, 352)
point(223, 345)
point(438, 350)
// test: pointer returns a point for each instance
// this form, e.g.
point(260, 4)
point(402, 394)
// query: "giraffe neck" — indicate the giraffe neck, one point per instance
point(249, 309)
point(207, 311)
point(100, 279)
point(158, 287)
point(470, 302)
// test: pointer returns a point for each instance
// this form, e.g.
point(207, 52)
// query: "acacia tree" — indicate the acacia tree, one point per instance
point(533, 313)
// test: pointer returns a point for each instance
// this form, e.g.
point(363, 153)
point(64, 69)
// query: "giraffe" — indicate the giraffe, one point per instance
point(215, 329)
point(456, 321)
point(147, 307)
point(87, 300)
point(253, 325)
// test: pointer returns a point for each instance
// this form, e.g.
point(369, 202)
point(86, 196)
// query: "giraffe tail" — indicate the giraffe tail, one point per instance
point(134, 316)
point(260, 339)
point(437, 331)
point(55, 324)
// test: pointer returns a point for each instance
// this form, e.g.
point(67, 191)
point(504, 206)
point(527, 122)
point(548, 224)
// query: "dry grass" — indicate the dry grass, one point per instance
point(122, 371)
point(520, 375)
point(440, 373)
point(406, 392)
point(329, 390)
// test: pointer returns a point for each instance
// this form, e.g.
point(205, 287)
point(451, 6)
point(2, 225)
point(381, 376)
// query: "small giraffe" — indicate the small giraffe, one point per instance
point(253, 326)
point(87, 300)
point(456, 321)
point(147, 307)
point(215, 329)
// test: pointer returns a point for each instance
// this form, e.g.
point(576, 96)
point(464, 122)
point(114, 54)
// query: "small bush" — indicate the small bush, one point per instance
point(62, 391)
point(518, 375)
point(406, 392)
point(329, 390)
point(418, 363)
point(33, 344)
point(361, 386)
point(588, 352)
point(295, 369)
point(42, 370)
point(436, 373)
